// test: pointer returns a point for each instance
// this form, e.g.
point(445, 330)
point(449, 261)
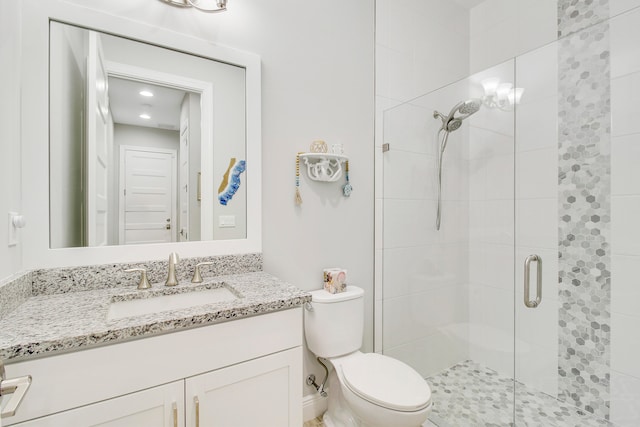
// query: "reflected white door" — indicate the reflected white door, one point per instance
point(97, 145)
point(183, 195)
point(147, 195)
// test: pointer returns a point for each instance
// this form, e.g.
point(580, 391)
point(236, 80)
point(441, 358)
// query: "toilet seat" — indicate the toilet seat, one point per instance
point(386, 382)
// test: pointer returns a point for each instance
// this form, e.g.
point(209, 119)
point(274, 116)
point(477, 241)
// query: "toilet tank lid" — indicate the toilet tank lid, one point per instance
point(323, 297)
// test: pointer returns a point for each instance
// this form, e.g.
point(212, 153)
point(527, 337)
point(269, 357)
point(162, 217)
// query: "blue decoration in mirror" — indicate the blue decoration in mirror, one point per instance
point(234, 183)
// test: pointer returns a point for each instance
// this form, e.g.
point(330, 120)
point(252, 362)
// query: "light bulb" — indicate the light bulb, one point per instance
point(503, 91)
point(515, 95)
point(490, 85)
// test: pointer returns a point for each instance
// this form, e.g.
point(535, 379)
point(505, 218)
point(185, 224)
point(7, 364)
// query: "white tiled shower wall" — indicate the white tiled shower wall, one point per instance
point(491, 230)
point(420, 46)
point(625, 229)
point(503, 29)
point(427, 306)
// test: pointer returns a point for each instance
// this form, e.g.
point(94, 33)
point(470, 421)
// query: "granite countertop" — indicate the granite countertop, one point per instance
point(49, 324)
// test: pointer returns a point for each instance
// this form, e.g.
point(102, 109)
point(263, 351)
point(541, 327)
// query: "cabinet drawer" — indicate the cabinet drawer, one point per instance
point(147, 408)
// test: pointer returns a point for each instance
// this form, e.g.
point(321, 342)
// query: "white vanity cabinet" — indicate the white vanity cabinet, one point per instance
point(254, 393)
point(240, 373)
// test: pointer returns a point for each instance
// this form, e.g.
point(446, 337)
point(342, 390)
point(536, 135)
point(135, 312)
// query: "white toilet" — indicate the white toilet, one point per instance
point(364, 389)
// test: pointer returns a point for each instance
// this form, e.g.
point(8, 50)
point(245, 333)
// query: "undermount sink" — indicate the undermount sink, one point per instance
point(150, 303)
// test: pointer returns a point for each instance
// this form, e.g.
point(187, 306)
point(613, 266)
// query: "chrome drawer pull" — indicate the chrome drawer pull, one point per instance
point(197, 402)
point(17, 387)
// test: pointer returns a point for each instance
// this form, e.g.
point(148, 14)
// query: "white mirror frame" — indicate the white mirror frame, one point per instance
point(36, 15)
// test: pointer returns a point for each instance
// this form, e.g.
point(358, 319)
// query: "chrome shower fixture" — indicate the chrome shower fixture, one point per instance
point(450, 123)
point(200, 5)
point(464, 109)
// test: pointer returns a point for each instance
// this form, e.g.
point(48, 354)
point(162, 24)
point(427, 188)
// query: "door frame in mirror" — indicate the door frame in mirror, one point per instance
point(205, 90)
point(34, 109)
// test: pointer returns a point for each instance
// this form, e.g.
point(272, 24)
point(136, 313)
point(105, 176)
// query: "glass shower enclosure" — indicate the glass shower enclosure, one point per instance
point(519, 309)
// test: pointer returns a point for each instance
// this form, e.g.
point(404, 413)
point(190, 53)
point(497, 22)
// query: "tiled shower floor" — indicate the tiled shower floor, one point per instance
point(469, 395)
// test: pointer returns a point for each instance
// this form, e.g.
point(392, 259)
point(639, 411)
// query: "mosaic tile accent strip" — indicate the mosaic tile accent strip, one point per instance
point(14, 291)
point(471, 395)
point(576, 15)
point(584, 136)
point(85, 278)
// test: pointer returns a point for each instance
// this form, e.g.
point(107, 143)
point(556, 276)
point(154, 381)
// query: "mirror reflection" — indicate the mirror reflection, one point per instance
point(147, 145)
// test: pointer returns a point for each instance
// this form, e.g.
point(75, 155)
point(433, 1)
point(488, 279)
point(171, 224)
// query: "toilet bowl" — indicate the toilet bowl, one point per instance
point(364, 389)
point(381, 391)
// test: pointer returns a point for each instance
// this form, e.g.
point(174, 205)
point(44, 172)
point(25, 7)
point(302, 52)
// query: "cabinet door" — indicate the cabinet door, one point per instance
point(262, 392)
point(155, 407)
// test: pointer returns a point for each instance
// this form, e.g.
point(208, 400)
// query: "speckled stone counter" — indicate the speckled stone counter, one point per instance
point(50, 323)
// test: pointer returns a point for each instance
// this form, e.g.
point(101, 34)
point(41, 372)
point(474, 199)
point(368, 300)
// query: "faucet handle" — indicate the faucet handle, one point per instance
point(197, 278)
point(144, 283)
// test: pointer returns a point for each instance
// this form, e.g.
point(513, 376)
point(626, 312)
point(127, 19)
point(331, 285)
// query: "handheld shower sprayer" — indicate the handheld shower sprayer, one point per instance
point(450, 123)
point(464, 109)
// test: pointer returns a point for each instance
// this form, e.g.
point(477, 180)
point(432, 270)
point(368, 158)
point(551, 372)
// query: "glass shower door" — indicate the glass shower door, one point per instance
point(537, 299)
point(448, 293)
point(577, 204)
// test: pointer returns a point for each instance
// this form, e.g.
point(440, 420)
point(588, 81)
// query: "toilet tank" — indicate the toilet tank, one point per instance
point(335, 324)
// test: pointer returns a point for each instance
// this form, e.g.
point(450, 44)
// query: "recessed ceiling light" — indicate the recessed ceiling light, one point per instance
point(144, 116)
point(146, 93)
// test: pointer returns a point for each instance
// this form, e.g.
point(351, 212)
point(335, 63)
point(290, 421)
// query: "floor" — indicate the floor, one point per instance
point(317, 422)
point(471, 395)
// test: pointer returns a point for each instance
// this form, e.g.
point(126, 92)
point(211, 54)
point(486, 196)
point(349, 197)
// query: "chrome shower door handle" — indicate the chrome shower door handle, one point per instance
point(527, 276)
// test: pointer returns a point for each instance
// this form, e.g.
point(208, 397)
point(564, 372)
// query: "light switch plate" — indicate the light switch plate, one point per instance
point(227, 221)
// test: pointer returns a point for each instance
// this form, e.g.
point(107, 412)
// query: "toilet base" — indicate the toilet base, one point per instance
point(341, 414)
point(338, 412)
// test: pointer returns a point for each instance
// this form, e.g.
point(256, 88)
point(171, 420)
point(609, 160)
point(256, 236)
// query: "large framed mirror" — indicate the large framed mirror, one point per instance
point(149, 141)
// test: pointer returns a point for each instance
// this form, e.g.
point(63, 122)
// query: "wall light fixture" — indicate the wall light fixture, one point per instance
point(203, 5)
point(502, 96)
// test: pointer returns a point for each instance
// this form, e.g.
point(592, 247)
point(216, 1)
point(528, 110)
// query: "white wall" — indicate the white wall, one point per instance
point(144, 137)
point(10, 197)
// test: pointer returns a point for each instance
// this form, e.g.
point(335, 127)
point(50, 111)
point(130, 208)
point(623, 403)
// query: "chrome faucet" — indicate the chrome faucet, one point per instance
point(171, 279)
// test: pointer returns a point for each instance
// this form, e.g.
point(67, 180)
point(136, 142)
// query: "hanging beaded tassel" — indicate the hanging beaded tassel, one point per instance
point(298, 197)
point(347, 189)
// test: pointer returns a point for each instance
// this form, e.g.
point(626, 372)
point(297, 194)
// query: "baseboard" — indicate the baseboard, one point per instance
point(313, 406)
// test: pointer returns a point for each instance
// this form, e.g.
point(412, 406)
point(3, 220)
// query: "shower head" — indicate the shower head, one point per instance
point(453, 124)
point(467, 108)
point(463, 110)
